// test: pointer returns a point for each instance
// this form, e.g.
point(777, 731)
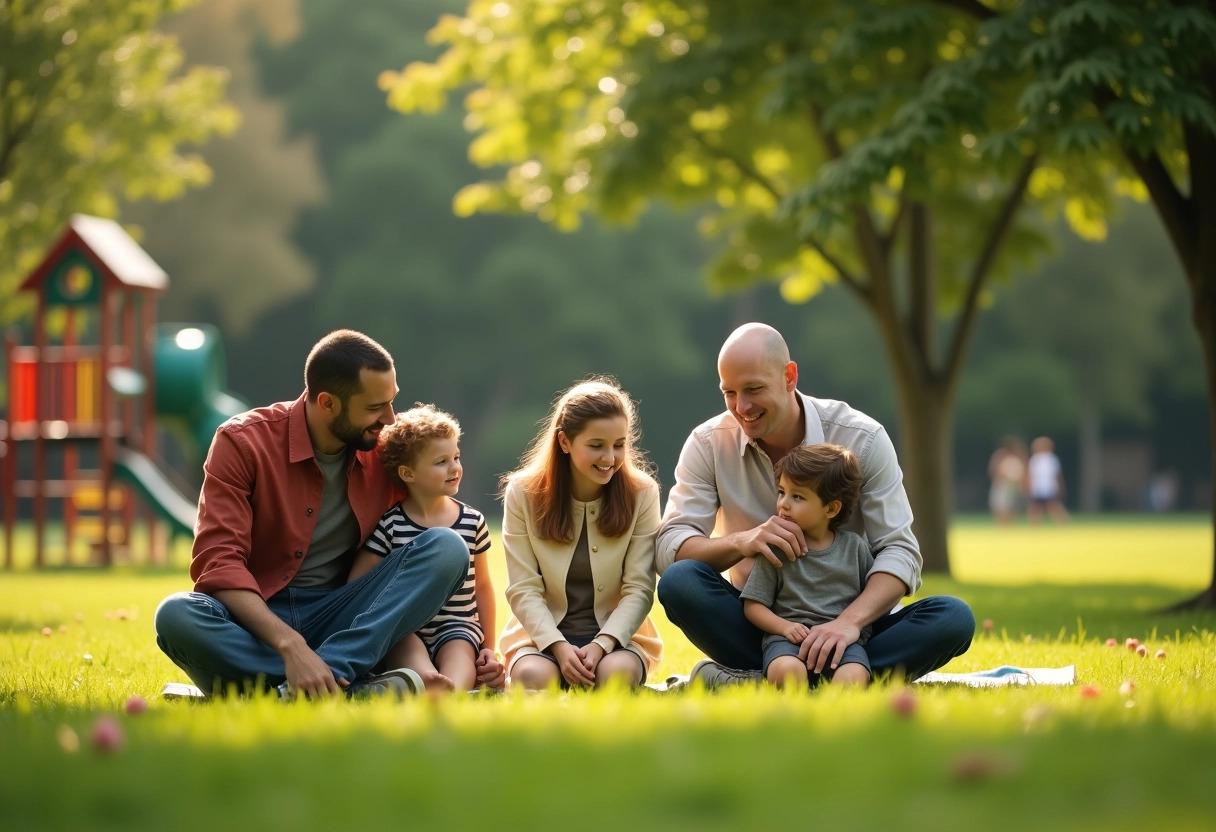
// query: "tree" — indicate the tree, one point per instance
point(1130, 84)
point(92, 105)
point(229, 246)
point(487, 316)
point(837, 142)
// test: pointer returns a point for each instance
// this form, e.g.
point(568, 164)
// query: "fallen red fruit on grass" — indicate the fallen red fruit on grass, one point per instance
point(1141, 650)
point(1091, 691)
point(978, 766)
point(1110, 642)
point(135, 705)
point(107, 735)
point(987, 623)
point(904, 703)
point(1127, 687)
point(1132, 643)
point(1160, 654)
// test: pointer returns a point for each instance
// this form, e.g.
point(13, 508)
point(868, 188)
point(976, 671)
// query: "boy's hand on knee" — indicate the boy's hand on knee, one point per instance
point(796, 633)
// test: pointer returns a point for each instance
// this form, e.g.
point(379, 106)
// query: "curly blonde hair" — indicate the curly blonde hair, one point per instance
point(401, 442)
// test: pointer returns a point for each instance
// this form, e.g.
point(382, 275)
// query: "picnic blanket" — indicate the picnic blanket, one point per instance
point(996, 677)
point(1005, 675)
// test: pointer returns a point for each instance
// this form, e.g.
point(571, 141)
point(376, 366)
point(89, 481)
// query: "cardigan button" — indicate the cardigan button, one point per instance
point(300, 554)
point(600, 587)
point(308, 511)
point(595, 548)
point(284, 577)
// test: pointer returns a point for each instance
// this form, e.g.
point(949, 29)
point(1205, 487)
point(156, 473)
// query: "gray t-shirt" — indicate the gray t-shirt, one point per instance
point(336, 535)
point(816, 588)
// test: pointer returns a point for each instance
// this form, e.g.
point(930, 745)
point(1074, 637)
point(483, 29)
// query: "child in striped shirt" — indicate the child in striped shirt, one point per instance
point(455, 650)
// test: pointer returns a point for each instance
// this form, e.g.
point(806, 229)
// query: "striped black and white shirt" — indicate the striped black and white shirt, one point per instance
point(396, 529)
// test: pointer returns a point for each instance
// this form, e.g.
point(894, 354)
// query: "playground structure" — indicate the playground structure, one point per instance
point(87, 396)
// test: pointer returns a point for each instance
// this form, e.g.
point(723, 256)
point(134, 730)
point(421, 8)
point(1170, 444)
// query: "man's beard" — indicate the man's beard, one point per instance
point(351, 436)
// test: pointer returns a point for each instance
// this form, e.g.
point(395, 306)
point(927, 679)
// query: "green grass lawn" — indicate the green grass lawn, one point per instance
point(1037, 758)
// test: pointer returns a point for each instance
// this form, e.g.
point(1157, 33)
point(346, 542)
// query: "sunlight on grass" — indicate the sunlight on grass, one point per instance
point(76, 645)
point(1162, 553)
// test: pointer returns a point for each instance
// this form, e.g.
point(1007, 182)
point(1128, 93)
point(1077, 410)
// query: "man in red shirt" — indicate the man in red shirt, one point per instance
point(290, 492)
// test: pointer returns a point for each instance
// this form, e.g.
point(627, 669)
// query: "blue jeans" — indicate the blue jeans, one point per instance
point(917, 639)
point(350, 627)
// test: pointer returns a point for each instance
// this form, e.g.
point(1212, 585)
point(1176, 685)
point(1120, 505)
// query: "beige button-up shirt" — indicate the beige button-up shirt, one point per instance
point(725, 482)
point(622, 569)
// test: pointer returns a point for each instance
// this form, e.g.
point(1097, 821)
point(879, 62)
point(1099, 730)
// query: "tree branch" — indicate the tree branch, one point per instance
point(870, 244)
point(971, 7)
point(750, 172)
point(922, 306)
point(982, 268)
point(888, 239)
point(1174, 208)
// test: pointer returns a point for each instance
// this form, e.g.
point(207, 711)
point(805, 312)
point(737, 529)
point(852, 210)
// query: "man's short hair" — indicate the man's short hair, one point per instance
point(337, 360)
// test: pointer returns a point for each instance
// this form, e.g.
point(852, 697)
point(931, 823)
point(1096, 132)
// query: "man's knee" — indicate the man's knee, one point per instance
point(174, 617)
point(954, 621)
point(447, 552)
point(681, 583)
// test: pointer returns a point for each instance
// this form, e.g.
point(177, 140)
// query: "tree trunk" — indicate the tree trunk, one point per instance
point(926, 456)
point(1202, 280)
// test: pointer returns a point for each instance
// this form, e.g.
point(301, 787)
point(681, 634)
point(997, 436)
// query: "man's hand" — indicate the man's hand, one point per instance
point(307, 674)
point(490, 671)
point(775, 538)
point(827, 642)
point(570, 663)
point(795, 633)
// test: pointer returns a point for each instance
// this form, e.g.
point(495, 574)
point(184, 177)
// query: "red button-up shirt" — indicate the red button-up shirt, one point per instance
point(261, 493)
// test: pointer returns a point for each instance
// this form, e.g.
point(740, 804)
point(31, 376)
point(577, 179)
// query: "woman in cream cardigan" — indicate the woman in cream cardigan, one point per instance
point(581, 514)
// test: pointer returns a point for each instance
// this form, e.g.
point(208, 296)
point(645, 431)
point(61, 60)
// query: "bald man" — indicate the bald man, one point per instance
point(725, 482)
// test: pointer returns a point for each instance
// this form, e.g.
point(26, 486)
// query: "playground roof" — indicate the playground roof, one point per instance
point(110, 248)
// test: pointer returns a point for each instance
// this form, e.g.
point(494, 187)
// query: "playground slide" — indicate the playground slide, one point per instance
point(154, 487)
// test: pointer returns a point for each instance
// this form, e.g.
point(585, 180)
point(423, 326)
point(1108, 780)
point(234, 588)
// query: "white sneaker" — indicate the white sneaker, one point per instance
point(180, 690)
point(399, 682)
point(713, 675)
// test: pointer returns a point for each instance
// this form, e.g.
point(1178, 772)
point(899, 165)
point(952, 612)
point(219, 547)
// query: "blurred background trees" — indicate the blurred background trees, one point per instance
point(329, 209)
point(94, 108)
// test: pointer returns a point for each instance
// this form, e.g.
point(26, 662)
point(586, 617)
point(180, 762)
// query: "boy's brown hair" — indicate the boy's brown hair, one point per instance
point(401, 442)
point(831, 471)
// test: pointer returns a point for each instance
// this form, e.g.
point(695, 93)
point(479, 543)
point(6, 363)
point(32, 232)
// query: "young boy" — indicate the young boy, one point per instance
point(817, 487)
point(456, 648)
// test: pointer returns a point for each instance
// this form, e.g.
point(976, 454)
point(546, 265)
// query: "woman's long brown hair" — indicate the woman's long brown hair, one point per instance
point(544, 471)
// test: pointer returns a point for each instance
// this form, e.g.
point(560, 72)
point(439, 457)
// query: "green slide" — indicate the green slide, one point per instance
point(190, 377)
point(154, 487)
point(191, 402)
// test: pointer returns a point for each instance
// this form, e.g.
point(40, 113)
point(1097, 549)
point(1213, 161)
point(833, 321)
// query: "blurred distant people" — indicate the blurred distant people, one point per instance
point(1162, 493)
point(1046, 482)
point(1007, 470)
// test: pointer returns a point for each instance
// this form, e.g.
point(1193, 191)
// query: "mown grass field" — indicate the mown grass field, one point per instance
point(1039, 758)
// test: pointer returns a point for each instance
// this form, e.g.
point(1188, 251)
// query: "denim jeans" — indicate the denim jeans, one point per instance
point(913, 641)
point(350, 627)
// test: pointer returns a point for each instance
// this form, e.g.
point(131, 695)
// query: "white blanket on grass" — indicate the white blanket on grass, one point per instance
point(1005, 675)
